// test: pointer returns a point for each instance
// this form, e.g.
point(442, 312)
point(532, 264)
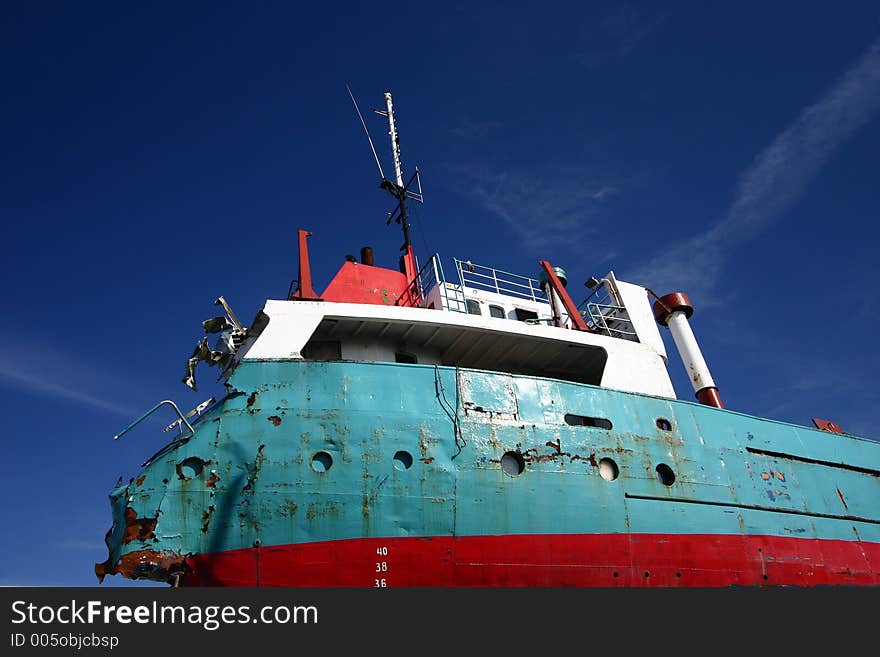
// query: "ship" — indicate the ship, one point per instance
point(448, 423)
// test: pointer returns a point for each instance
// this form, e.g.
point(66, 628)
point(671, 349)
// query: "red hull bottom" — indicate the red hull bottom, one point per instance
point(546, 560)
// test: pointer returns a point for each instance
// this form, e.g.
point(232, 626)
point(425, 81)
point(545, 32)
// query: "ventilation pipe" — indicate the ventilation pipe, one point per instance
point(552, 280)
point(673, 311)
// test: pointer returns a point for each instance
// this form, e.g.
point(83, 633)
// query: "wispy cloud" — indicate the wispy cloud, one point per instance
point(46, 372)
point(539, 211)
point(616, 33)
point(604, 192)
point(774, 182)
point(473, 130)
point(21, 583)
point(39, 386)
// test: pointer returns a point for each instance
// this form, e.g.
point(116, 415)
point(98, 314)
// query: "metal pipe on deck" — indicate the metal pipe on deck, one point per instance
point(673, 311)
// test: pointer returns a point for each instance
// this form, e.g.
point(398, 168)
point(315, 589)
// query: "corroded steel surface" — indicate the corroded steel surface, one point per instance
point(312, 461)
point(668, 304)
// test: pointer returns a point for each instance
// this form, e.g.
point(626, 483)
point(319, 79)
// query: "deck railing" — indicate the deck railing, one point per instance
point(430, 276)
point(605, 314)
point(601, 310)
point(480, 277)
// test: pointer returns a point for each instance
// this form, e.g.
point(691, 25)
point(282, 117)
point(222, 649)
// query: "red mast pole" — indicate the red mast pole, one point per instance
point(304, 288)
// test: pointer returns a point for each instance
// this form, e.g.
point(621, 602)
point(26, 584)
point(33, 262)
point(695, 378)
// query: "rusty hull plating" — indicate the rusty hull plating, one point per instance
point(308, 471)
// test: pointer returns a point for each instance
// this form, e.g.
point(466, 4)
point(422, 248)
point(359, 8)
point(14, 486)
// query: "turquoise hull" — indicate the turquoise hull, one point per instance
point(321, 452)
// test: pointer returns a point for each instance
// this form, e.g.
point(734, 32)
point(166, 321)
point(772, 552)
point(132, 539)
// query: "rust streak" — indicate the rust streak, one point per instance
point(141, 529)
point(843, 501)
point(255, 471)
point(212, 480)
point(206, 518)
point(140, 480)
point(557, 445)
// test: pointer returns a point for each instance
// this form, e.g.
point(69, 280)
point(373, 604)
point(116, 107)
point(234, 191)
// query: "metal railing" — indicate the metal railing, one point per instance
point(155, 408)
point(430, 276)
point(480, 277)
point(605, 314)
point(470, 276)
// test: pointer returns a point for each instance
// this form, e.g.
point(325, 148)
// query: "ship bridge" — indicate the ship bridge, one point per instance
point(480, 317)
point(487, 291)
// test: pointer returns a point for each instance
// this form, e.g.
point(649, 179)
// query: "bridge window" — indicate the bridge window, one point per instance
point(496, 311)
point(523, 315)
point(474, 307)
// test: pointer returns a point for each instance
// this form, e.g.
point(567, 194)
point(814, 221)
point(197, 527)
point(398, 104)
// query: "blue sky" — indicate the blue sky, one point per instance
point(155, 157)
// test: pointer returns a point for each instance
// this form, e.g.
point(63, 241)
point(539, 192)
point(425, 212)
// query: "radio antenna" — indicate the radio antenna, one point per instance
point(366, 132)
point(398, 190)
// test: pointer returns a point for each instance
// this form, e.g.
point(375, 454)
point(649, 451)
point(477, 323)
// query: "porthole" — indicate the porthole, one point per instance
point(608, 469)
point(190, 467)
point(664, 424)
point(513, 463)
point(586, 421)
point(665, 474)
point(321, 462)
point(403, 460)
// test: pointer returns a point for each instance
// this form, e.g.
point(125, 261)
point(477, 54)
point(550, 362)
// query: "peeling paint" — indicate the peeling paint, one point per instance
point(206, 518)
point(145, 564)
point(276, 498)
point(140, 529)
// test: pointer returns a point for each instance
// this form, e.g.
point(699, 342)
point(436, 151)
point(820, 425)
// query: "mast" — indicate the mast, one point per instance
point(395, 140)
point(401, 192)
point(396, 188)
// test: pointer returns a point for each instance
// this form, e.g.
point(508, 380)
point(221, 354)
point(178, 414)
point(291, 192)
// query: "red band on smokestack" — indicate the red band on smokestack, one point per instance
point(710, 397)
point(665, 306)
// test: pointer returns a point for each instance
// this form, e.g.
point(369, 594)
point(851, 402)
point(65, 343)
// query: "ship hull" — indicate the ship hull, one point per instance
point(475, 478)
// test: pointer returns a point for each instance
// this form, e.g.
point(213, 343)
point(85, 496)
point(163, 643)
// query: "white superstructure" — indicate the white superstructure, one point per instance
point(466, 326)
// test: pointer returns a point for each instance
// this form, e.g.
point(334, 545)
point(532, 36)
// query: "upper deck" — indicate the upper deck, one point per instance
point(480, 317)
